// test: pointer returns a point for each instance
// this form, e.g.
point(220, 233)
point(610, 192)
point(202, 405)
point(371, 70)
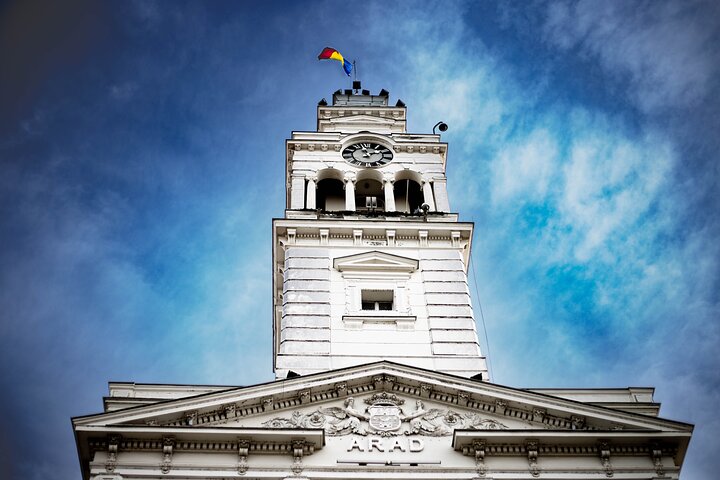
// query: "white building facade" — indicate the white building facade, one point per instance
point(379, 373)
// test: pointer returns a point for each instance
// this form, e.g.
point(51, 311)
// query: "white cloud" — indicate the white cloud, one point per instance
point(610, 183)
point(446, 74)
point(598, 183)
point(666, 49)
point(524, 170)
point(606, 193)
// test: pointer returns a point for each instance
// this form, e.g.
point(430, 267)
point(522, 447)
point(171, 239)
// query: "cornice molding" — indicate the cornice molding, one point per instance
point(443, 388)
point(309, 398)
point(404, 147)
point(396, 113)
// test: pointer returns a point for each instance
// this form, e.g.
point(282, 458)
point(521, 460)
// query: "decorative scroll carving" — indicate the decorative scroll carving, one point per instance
point(243, 452)
point(335, 420)
point(476, 422)
point(433, 423)
point(479, 450)
point(242, 466)
point(604, 450)
point(384, 416)
point(576, 422)
point(113, 443)
point(384, 397)
point(341, 389)
point(298, 420)
point(539, 414)
point(532, 453)
point(386, 381)
point(657, 460)
point(298, 448)
point(168, 444)
point(191, 418)
point(230, 410)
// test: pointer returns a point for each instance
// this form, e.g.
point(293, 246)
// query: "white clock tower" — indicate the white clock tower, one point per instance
point(378, 370)
point(369, 262)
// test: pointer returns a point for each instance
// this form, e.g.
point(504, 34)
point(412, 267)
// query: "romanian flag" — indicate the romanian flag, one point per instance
point(332, 54)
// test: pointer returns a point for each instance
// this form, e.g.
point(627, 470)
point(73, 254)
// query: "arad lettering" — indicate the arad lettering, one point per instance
point(373, 443)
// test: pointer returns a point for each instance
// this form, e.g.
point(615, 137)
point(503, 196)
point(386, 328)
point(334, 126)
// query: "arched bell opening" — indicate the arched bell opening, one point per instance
point(330, 195)
point(369, 196)
point(408, 196)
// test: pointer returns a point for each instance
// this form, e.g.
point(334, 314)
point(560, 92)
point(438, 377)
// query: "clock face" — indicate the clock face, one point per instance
point(367, 154)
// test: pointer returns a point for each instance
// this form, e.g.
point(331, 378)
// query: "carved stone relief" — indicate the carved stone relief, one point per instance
point(113, 443)
point(384, 415)
point(168, 444)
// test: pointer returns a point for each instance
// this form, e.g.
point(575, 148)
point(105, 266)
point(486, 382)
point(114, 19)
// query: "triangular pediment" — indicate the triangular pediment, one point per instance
point(394, 409)
point(481, 405)
point(375, 262)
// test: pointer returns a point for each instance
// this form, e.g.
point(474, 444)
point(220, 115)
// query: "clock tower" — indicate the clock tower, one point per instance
point(369, 261)
point(376, 357)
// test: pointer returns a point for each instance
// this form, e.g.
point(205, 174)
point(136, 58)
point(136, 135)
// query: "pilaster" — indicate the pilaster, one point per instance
point(297, 192)
point(428, 195)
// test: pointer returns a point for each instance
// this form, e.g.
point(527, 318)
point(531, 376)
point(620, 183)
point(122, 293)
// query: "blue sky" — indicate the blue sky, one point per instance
point(141, 148)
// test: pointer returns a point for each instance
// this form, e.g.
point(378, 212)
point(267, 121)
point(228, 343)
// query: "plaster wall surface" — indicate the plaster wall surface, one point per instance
point(431, 323)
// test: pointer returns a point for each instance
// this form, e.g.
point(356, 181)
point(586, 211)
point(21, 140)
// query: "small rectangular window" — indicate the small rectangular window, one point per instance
point(377, 300)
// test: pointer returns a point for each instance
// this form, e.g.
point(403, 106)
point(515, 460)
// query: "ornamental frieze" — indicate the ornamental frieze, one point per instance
point(385, 415)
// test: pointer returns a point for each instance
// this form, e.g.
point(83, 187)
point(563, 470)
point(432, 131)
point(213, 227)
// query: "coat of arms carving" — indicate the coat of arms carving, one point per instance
point(384, 416)
point(385, 413)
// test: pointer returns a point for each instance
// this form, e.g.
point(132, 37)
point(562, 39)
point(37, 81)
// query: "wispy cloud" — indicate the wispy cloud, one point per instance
point(667, 50)
point(585, 263)
point(523, 171)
